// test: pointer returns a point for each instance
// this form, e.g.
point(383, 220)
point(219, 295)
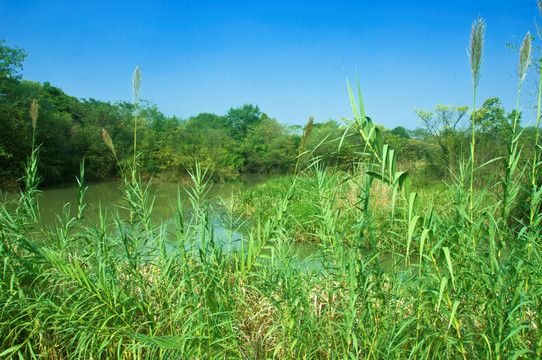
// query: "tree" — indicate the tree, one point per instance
point(269, 148)
point(11, 60)
point(207, 121)
point(492, 120)
point(401, 132)
point(323, 143)
point(494, 128)
point(242, 118)
point(419, 134)
point(444, 125)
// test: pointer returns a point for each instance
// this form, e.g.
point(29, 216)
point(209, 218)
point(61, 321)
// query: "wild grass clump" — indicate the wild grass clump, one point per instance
point(393, 276)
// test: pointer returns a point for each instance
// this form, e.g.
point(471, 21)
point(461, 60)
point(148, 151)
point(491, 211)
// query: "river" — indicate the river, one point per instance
point(107, 195)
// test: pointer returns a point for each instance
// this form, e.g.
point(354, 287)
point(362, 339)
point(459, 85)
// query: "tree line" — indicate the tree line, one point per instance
point(244, 140)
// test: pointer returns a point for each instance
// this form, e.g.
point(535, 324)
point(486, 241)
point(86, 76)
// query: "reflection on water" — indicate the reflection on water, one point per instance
point(108, 195)
point(106, 198)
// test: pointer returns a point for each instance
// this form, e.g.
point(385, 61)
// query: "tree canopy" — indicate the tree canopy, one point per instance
point(243, 140)
point(11, 60)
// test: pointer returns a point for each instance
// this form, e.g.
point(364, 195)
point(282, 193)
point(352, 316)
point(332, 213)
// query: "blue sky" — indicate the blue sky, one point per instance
point(285, 56)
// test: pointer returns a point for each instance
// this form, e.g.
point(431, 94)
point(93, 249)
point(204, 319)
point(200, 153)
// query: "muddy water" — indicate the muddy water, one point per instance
point(106, 198)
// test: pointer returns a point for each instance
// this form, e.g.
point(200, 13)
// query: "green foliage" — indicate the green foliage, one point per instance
point(493, 122)
point(243, 118)
point(395, 275)
point(241, 141)
point(410, 149)
point(11, 61)
point(401, 132)
point(244, 140)
point(446, 128)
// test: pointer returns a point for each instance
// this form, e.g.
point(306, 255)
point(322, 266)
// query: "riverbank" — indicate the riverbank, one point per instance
point(107, 195)
point(129, 292)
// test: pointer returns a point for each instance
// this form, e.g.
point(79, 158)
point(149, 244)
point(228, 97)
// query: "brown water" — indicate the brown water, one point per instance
point(108, 195)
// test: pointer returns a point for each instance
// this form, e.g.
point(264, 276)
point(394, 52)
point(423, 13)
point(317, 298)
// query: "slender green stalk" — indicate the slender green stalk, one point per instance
point(535, 200)
point(476, 57)
point(28, 201)
point(136, 88)
point(535, 155)
point(510, 189)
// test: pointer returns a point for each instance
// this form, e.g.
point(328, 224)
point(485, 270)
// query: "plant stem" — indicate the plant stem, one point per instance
point(471, 206)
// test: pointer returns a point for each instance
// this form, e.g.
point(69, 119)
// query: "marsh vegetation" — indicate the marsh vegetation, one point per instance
point(451, 270)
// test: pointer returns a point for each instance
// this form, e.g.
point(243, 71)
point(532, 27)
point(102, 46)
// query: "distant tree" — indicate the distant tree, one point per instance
point(269, 147)
point(323, 143)
point(207, 121)
point(493, 121)
point(444, 125)
point(11, 60)
point(242, 118)
point(401, 132)
point(14, 118)
point(419, 133)
point(494, 129)
point(416, 153)
point(15, 129)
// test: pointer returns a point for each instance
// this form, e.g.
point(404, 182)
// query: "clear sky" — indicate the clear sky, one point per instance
point(285, 56)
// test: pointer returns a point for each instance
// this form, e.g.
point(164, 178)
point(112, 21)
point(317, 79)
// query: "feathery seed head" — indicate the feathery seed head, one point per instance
point(34, 113)
point(476, 49)
point(108, 141)
point(307, 130)
point(136, 85)
point(524, 57)
point(308, 127)
point(539, 5)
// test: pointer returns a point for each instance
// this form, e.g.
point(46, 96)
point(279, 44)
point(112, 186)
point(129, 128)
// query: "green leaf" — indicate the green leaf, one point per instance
point(519, 353)
point(360, 99)
point(353, 102)
point(423, 237)
point(443, 283)
point(11, 350)
point(377, 176)
point(449, 263)
point(454, 310)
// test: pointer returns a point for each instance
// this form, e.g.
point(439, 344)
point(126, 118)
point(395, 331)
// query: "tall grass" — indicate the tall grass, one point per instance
point(394, 276)
point(475, 57)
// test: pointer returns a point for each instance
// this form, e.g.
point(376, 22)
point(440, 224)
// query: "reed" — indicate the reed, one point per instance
point(511, 187)
point(393, 275)
point(476, 57)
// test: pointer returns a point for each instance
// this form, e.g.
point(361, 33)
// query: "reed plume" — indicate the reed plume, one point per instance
point(524, 57)
point(108, 141)
point(307, 131)
point(534, 166)
point(476, 49)
point(476, 56)
point(34, 113)
point(524, 62)
point(136, 85)
point(136, 89)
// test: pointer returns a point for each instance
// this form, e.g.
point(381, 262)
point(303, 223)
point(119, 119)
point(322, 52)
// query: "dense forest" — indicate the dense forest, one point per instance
point(244, 140)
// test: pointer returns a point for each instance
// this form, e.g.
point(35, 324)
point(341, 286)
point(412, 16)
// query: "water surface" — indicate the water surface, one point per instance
point(108, 195)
